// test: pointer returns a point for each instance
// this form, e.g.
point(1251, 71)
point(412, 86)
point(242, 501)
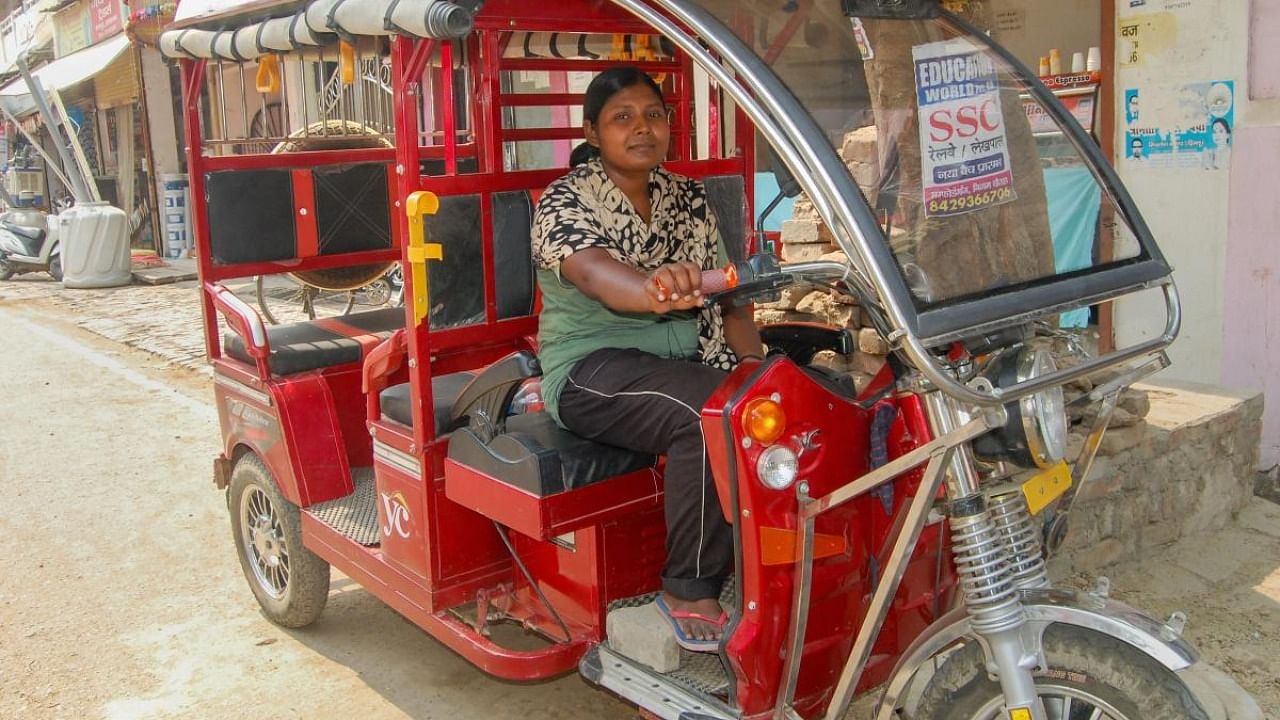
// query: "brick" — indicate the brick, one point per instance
point(1160, 533)
point(642, 634)
point(1099, 555)
point(870, 342)
point(831, 361)
point(800, 232)
point(864, 363)
point(1136, 402)
point(789, 298)
point(792, 252)
point(1121, 439)
point(860, 146)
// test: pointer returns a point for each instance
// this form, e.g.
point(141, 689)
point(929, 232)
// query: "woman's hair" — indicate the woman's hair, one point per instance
point(1223, 122)
point(602, 87)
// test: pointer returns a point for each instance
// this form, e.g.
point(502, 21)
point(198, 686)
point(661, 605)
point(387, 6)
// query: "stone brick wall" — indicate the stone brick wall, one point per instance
point(1188, 467)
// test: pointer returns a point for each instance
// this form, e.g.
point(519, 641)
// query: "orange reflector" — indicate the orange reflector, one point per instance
point(764, 421)
point(778, 546)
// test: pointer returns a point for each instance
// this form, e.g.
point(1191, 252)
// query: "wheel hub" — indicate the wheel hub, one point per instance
point(266, 541)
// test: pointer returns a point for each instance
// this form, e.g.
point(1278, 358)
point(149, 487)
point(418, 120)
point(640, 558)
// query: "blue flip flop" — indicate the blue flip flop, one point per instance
point(682, 639)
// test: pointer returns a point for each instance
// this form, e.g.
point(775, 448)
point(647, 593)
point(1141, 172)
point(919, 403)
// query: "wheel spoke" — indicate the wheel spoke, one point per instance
point(1096, 714)
point(1066, 709)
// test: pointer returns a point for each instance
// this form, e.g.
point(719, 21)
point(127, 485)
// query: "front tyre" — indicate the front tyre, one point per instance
point(290, 582)
point(6, 269)
point(1091, 677)
point(55, 268)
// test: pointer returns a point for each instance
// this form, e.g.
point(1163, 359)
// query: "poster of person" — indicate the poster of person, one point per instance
point(1187, 126)
point(963, 148)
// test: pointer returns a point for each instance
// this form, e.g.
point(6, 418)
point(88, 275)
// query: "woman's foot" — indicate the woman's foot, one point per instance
point(698, 619)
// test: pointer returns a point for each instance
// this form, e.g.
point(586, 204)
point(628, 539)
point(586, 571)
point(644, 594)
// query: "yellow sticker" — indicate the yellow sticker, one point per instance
point(1047, 486)
point(1019, 714)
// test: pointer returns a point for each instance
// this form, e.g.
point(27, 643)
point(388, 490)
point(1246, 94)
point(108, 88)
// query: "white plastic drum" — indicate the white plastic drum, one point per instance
point(95, 246)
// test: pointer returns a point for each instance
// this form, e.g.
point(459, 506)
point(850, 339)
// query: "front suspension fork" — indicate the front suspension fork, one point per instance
point(997, 552)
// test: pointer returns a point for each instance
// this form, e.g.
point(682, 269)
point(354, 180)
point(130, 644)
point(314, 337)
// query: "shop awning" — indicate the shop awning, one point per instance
point(64, 72)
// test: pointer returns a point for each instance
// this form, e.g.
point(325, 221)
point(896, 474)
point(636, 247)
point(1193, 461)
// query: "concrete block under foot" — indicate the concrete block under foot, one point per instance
point(642, 634)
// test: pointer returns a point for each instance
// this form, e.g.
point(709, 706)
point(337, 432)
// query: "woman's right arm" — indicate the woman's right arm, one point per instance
point(623, 289)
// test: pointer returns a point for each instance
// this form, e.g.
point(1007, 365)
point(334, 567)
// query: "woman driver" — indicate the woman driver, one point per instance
point(630, 352)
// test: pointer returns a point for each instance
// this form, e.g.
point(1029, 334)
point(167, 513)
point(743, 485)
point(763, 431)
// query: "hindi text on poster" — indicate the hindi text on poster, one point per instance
point(963, 148)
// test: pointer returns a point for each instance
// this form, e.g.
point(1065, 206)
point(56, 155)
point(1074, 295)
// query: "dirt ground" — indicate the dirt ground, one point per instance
point(121, 597)
point(1228, 584)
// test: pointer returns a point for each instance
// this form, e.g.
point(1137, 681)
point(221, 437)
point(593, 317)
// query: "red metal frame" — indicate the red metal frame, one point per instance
point(312, 428)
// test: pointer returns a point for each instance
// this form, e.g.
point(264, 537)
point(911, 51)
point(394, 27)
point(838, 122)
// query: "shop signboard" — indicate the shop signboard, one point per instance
point(1078, 92)
point(964, 152)
point(71, 30)
point(105, 19)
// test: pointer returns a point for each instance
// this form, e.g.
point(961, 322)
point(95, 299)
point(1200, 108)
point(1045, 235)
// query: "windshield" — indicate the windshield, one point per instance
point(974, 185)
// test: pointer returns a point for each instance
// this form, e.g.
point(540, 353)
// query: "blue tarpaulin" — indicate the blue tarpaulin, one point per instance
point(1074, 199)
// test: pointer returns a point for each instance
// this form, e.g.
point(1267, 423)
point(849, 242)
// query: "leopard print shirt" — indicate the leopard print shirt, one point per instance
point(584, 209)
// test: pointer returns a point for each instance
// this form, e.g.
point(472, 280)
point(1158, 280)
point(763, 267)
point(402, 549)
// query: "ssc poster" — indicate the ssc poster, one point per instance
point(964, 151)
point(1190, 126)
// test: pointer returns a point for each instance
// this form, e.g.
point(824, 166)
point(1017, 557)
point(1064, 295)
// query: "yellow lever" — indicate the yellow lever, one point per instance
point(347, 62)
point(421, 204)
point(268, 78)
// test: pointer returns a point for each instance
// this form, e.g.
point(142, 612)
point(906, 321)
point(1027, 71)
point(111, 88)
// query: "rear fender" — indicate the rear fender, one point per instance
point(1044, 608)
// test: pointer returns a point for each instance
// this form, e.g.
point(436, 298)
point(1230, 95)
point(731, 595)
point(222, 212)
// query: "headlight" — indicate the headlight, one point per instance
point(1036, 434)
point(1044, 414)
point(777, 467)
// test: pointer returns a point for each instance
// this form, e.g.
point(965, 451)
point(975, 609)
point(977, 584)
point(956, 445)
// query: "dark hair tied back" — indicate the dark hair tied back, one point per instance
point(609, 83)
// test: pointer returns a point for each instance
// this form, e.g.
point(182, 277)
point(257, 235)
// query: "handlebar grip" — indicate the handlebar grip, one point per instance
point(718, 280)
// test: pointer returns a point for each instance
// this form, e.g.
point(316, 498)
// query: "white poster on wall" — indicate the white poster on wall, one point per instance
point(964, 151)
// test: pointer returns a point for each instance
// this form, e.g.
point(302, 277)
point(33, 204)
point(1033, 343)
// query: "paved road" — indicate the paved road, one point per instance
point(120, 594)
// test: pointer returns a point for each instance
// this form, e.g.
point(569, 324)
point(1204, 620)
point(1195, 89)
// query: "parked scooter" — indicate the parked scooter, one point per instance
point(29, 243)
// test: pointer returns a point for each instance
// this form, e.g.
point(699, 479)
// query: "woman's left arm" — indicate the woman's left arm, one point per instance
point(740, 332)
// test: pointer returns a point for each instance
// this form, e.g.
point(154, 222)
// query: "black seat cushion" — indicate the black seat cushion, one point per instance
point(303, 346)
point(444, 392)
point(537, 455)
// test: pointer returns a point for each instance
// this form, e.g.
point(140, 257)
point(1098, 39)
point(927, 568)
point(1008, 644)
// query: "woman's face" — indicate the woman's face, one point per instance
point(632, 132)
point(1221, 138)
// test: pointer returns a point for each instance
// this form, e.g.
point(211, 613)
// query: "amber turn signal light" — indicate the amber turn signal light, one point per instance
point(764, 421)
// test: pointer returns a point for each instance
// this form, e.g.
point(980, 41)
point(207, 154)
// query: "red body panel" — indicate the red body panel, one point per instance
point(842, 584)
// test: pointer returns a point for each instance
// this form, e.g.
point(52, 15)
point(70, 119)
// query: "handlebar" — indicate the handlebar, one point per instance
point(923, 360)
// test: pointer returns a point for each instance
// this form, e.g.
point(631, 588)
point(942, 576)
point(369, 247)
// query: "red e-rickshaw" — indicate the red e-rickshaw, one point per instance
point(883, 531)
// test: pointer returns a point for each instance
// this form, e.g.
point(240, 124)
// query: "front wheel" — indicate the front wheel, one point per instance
point(6, 269)
point(1091, 677)
point(55, 268)
point(290, 582)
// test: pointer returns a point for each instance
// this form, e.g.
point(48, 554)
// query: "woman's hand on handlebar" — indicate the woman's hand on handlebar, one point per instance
point(674, 286)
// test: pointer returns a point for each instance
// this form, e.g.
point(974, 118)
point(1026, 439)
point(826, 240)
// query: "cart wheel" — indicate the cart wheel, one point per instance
point(55, 268)
point(6, 270)
point(262, 300)
point(1090, 675)
point(290, 582)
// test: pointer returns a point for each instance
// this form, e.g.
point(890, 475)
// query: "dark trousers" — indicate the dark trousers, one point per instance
point(640, 401)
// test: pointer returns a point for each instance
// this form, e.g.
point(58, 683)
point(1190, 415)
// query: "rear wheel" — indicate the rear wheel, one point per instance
point(1090, 677)
point(290, 582)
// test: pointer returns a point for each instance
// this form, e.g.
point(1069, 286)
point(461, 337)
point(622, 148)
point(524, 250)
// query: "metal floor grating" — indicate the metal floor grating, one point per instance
point(354, 515)
point(701, 672)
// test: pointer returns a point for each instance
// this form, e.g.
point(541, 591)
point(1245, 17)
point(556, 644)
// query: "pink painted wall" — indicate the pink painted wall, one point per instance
point(1251, 320)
